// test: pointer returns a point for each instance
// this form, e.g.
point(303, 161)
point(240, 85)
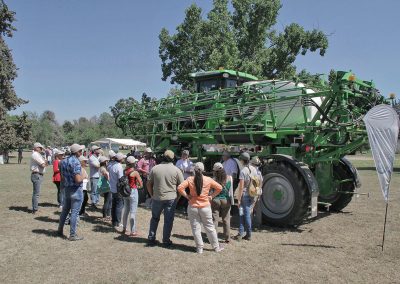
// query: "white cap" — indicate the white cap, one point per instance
point(38, 145)
point(82, 158)
point(199, 166)
point(76, 148)
point(58, 152)
point(148, 150)
point(95, 147)
point(102, 159)
point(131, 160)
point(120, 156)
point(217, 167)
point(111, 153)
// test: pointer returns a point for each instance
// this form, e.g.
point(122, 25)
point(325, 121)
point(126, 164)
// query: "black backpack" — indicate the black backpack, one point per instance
point(123, 187)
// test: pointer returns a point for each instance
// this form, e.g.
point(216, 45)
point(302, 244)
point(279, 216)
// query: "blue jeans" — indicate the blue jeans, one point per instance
point(169, 213)
point(130, 208)
point(94, 195)
point(107, 204)
point(73, 198)
point(116, 209)
point(37, 180)
point(245, 219)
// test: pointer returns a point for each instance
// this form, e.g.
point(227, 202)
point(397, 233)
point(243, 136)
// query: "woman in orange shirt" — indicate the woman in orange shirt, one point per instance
point(199, 209)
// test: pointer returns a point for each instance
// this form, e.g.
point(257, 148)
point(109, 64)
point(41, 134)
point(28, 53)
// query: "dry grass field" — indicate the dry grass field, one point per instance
point(333, 248)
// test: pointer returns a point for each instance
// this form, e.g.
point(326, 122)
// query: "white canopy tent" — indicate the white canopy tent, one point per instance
point(119, 142)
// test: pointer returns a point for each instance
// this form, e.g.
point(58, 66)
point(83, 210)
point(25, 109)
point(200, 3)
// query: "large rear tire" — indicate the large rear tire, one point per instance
point(343, 194)
point(285, 198)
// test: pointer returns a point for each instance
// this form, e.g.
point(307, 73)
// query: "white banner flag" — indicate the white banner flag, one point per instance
point(382, 123)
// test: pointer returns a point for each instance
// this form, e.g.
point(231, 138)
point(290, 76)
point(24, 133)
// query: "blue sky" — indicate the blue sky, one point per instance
point(77, 57)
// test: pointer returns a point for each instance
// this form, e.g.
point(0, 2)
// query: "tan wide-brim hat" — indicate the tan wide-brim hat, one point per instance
point(38, 145)
point(169, 154)
point(120, 156)
point(76, 148)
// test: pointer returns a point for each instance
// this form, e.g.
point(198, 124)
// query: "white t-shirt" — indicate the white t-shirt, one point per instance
point(36, 162)
point(186, 166)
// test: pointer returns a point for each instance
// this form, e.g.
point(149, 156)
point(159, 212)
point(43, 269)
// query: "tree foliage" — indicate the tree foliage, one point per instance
point(244, 40)
point(15, 130)
point(46, 129)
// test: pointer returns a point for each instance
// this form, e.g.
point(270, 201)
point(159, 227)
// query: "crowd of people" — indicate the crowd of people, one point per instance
point(208, 199)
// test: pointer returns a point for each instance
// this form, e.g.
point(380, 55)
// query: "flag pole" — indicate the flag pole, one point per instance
point(384, 225)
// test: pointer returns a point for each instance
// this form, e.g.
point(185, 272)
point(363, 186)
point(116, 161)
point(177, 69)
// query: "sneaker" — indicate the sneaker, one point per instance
point(118, 228)
point(238, 237)
point(219, 249)
point(152, 243)
point(75, 238)
point(168, 244)
point(247, 238)
point(199, 250)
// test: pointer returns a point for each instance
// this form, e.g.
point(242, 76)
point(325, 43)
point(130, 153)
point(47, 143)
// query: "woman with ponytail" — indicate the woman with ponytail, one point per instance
point(199, 209)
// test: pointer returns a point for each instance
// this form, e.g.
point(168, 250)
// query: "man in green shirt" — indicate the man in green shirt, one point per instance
point(162, 184)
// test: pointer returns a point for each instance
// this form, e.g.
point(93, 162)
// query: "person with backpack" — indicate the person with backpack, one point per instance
point(199, 209)
point(116, 172)
point(245, 197)
point(131, 202)
point(221, 204)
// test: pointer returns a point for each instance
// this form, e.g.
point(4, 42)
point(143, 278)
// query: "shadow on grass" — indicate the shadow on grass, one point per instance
point(126, 238)
point(49, 233)
point(20, 209)
point(47, 204)
point(141, 240)
point(183, 237)
point(94, 220)
point(311, 245)
point(103, 229)
point(46, 219)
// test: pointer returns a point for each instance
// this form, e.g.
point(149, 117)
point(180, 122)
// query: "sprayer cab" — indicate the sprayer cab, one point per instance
point(219, 79)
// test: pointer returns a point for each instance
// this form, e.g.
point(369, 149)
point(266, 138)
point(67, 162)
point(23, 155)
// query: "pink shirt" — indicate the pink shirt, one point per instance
point(144, 166)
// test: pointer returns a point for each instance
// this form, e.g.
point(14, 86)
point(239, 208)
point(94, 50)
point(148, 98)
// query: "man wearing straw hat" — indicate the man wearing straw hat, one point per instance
point(38, 167)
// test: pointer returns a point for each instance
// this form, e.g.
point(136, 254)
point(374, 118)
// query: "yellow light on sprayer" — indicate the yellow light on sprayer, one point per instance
point(352, 77)
point(392, 96)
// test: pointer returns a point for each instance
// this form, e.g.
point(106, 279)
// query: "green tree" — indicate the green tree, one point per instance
point(15, 130)
point(244, 40)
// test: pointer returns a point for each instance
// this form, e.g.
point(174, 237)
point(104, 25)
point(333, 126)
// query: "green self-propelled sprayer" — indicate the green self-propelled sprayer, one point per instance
point(301, 131)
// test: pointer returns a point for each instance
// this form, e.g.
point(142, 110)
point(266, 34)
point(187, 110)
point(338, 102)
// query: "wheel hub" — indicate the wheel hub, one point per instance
point(278, 196)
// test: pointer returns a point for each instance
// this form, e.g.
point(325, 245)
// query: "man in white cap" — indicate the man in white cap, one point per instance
point(38, 165)
point(94, 167)
point(116, 172)
point(162, 185)
point(71, 172)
